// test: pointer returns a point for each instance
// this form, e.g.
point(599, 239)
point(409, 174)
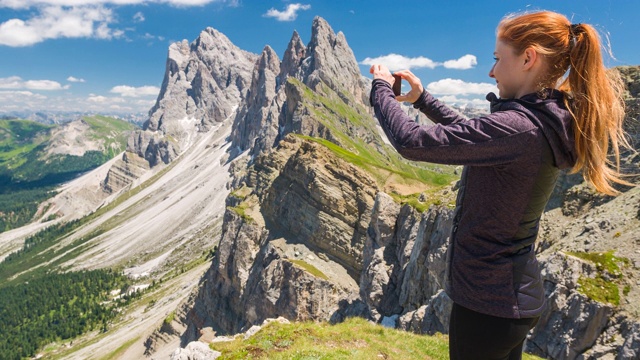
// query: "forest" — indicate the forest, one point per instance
point(57, 307)
point(29, 173)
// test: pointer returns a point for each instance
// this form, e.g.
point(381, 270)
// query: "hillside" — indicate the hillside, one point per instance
point(36, 158)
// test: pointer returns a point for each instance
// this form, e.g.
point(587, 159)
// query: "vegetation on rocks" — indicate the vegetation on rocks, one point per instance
point(353, 339)
point(605, 286)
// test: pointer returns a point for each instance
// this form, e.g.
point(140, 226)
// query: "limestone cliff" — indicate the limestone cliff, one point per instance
point(313, 231)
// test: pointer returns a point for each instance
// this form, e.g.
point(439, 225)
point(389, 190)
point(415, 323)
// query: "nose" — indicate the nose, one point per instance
point(491, 71)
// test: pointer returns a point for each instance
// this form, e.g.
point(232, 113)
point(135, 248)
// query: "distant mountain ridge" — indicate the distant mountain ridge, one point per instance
point(36, 158)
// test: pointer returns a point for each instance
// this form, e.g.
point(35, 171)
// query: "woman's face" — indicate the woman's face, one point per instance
point(507, 70)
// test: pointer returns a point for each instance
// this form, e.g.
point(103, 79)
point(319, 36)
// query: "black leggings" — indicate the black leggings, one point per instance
point(477, 336)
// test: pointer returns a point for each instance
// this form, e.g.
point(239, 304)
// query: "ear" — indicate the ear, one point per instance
point(530, 57)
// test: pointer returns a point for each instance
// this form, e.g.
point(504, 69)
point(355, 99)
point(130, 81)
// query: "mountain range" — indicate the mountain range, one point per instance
point(262, 187)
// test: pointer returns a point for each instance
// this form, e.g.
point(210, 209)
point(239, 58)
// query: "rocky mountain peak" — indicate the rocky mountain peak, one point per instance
point(252, 117)
point(294, 54)
point(331, 60)
point(204, 83)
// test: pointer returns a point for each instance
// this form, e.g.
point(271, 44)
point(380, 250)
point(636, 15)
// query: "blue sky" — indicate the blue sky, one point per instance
point(109, 56)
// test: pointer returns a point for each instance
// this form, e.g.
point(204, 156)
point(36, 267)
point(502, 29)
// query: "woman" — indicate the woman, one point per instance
point(542, 122)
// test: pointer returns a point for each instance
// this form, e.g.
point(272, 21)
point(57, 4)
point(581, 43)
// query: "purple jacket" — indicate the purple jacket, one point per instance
point(512, 159)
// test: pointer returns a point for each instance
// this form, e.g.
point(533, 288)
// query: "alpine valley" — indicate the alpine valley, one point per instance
point(262, 188)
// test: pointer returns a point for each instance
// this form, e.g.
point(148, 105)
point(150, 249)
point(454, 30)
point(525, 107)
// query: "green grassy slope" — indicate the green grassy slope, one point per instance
point(401, 178)
point(28, 174)
point(353, 339)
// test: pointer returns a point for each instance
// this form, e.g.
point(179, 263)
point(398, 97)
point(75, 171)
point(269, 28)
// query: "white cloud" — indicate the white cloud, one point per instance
point(459, 87)
point(399, 62)
point(25, 4)
point(138, 17)
point(290, 14)
point(130, 91)
point(4, 95)
point(464, 63)
point(53, 19)
point(460, 101)
point(16, 82)
point(104, 99)
point(75, 79)
point(54, 22)
point(44, 85)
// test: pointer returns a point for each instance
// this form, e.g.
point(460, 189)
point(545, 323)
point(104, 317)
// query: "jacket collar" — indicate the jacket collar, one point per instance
point(528, 99)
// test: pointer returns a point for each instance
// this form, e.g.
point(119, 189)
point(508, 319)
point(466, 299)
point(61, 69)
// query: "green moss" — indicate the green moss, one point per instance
point(309, 268)
point(241, 193)
point(241, 210)
point(601, 288)
point(170, 317)
point(373, 163)
point(604, 261)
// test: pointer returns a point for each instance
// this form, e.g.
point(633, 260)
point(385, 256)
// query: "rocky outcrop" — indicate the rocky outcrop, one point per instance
point(281, 104)
point(205, 80)
point(204, 83)
point(291, 237)
point(330, 61)
point(258, 115)
point(401, 241)
point(124, 171)
point(195, 350)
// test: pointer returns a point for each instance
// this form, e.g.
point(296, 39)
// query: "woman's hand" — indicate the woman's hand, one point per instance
point(416, 86)
point(382, 72)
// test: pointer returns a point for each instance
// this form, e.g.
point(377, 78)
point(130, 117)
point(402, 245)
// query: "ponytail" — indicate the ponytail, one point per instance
point(594, 94)
point(597, 106)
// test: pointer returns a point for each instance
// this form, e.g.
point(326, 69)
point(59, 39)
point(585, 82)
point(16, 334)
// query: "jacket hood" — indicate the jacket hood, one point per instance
point(551, 116)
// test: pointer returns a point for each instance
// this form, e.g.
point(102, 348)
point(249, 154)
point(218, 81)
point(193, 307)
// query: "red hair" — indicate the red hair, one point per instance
point(595, 95)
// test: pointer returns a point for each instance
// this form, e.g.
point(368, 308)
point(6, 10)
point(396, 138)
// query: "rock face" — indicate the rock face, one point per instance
point(269, 264)
point(258, 116)
point(204, 84)
point(330, 61)
point(124, 171)
point(308, 235)
point(205, 80)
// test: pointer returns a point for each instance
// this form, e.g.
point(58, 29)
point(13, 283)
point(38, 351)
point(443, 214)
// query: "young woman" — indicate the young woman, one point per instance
point(542, 122)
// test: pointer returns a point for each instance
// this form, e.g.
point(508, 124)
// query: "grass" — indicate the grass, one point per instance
point(112, 131)
point(354, 339)
point(605, 286)
point(18, 138)
point(241, 210)
point(117, 353)
point(309, 268)
point(382, 162)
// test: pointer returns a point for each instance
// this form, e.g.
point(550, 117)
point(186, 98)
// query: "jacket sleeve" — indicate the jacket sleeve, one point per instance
point(436, 110)
point(495, 139)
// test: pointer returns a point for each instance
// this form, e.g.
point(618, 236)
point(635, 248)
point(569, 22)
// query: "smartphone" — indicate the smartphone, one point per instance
point(397, 85)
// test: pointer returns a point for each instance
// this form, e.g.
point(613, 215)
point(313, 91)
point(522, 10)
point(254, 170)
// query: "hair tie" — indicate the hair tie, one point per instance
point(572, 34)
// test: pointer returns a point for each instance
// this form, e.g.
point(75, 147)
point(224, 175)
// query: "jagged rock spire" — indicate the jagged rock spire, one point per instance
point(204, 83)
point(331, 60)
point(293, 57)
point(254, 113)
